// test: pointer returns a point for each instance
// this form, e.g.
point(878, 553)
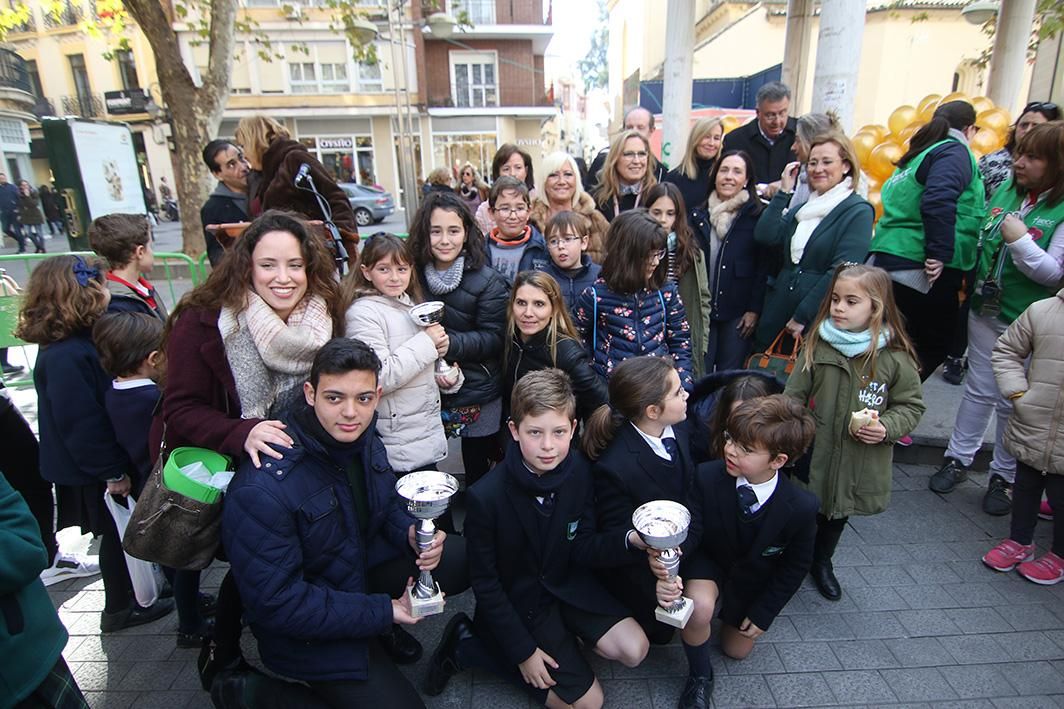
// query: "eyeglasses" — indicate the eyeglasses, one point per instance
point(657, 255)
point(511, 211)
point(742, 450)
point(635, 155)
point(564, 241)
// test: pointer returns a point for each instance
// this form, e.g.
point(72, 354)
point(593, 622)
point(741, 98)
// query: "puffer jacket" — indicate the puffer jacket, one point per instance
point(299, 556)
point(408, 415)
point(1035, 432)
point(475, 320)
point(571, 357)
point(573, 283)
point(850, 477)
point(617, 326)
point(585, 206)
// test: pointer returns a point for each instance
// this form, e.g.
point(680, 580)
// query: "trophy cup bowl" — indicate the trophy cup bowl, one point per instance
point(427, 494)
point(663, 525)
point(431, 313)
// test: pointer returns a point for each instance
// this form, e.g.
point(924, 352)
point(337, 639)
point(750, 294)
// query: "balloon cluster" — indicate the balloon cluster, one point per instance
point(878, 147)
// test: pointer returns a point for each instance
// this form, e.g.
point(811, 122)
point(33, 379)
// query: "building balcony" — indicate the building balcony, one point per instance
point(85, 106)
point(15, 91)
point(66, 14)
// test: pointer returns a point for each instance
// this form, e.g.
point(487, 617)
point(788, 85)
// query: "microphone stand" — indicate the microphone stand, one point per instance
point(326, 210)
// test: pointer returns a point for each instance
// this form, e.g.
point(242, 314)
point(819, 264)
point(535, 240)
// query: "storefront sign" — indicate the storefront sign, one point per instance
point(335, 143)
point(120, 103)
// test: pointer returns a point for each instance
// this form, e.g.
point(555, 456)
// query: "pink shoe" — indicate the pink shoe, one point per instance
point(1045, 511)
point(1006, 555)
point(1046, 571)
point(905, 441)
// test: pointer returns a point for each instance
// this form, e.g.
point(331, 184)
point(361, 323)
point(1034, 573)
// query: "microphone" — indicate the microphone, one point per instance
point(304, 170)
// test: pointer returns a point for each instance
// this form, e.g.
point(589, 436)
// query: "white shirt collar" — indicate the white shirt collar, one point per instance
point(762, 490)
point(132, 383)
point(656, 444)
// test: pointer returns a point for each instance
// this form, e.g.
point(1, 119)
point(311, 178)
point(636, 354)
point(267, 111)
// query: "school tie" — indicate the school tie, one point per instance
point(747, 500)
point(672, 449)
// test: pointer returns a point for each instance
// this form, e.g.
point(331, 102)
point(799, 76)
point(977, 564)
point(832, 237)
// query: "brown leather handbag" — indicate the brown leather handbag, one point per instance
point(774, 360)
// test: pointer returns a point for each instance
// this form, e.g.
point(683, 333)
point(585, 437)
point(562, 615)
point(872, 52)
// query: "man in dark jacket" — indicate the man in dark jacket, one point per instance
point(9, 212)
point(322, 548)
point(770, 139)
point(229, 201)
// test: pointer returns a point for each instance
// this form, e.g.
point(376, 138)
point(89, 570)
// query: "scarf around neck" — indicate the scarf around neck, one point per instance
point(850, 344)
point(811, 213)
point(443, 282)
point(722, 212)
point(530, 483)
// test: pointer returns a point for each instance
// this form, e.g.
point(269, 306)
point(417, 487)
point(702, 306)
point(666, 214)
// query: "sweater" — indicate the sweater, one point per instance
point(130, 410)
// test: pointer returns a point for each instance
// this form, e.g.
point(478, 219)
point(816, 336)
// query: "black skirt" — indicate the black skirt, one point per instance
point(82, 506)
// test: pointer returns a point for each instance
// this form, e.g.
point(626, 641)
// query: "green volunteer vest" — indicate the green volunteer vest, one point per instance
point(900, 230)
point(1017, 290)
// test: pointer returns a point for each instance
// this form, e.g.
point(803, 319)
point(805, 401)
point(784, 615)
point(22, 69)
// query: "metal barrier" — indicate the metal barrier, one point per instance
point(19, 266)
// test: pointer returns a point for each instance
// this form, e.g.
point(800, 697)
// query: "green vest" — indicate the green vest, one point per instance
point(900, 231)
point(1017, 290)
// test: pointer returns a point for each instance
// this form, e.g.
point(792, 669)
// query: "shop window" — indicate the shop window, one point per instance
point(459, 148)
point(473, 83)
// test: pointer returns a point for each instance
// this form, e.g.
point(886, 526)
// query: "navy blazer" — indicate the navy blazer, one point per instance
point(512, 565)
point(741, 265)
point(770, 572)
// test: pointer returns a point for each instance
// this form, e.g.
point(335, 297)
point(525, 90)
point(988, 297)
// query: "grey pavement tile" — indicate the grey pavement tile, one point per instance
point(822, 627)
point(808, 657)
point(963, 704)
point(100, 676)
point(918, 652)
point(782, 630)
point(978, 620)
point(1021, 591)
point(661, 661)
point(1035, 678)
point(800, 690)
point(813, 602)
point(976, 649)
point(1056, 636)
point(457, 695)
point(742, 691)
point(926, 597)
point(81, 623)
point(149, 647)
point(918, 684)
point(795, 604)
point(170, 700)
point(110, 700)
point(187, 678)
point(974, 681)
point(762, 659)
point(975, 594)
point(849, 555)
point(1031, 616)
point(632, 693)
point(665, 691)
point(851, 577)
point(975, 570)
point(148, 675)
point(887, 575)
point(499, 695)
point(859, 687)
point(931, 552)
point(864, 655)
point(1026, 702)
point(879, 624)
point(97, 648)
point(63, 599)
point(202, 700)
point(932, 572)
point(1030, 645)
point(882, 554)
point(876, 598)
point(86, 601)
point(927, 622)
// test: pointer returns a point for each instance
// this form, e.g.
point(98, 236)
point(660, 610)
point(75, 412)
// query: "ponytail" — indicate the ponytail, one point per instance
point(599, 429)
point(636, 383)
point(955, 114)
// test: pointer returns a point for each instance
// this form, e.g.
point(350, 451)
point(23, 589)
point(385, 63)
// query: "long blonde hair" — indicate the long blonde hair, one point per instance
point(701, 128)
point(886, 317)
point(255, 133)
point(609, 186)
point(560, 325)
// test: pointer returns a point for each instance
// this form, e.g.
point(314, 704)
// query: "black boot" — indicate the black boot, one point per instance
point(444, 663)
point(828, 533)
point(401, 646)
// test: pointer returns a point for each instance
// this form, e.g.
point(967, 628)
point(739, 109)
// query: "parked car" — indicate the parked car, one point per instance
point(371, 204)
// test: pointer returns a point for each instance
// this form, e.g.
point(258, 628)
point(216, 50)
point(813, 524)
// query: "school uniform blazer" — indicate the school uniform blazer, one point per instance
point(780, 557)
point(629, 474)
point(511, 565)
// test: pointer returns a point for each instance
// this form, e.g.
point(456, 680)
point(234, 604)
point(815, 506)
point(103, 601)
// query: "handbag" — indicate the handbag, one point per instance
point(774, 360)
point(172, 528)
point(141, 573)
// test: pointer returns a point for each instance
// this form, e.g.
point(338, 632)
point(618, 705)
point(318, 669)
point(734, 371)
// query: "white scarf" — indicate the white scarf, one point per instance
point(813, 212)
point(722, 212)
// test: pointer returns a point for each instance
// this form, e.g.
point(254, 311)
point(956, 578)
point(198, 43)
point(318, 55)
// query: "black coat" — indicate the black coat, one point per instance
point(475, 320)
point(512, 565)
point(533, 355)
point(695, 192)
point(769, 160)
point(741, 266)
point(770, 572)
point(219, 209)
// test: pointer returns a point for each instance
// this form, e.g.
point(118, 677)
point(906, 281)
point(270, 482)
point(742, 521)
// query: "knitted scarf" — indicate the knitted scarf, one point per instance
point(270, 358)
point(531, 483)
point(722, 212)
point(443, 282)
point(811, 213)
point(850, 344)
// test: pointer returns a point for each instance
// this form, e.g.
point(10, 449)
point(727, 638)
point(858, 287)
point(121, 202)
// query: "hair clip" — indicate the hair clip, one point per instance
point(374, 235)
point(849, 264)
point(84, 273)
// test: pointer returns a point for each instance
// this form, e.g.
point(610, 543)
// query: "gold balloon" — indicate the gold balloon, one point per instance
point(730, 123)
point(876, 199)
point(955, 96)
point(985, 141)
point(875, 129)
point(996, 119)
point(982, 103)
point(908, 131)
point(902, 116)
point(862, 144)
point(927, 105)
point(881, 161)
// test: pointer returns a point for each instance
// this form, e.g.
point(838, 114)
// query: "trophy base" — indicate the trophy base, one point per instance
point(421, 607)
point(676, 618)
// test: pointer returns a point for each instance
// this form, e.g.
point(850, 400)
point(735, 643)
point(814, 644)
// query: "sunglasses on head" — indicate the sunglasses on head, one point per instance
point(1042, 107)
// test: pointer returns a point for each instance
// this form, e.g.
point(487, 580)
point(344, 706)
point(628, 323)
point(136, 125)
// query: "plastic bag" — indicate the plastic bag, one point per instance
point(198, 471)
point(142, 573)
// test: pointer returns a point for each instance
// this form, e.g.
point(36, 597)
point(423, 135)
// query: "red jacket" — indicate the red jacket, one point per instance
point(200, 404)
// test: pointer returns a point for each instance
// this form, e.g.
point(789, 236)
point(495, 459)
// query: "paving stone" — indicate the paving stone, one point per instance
point(146, 675)
point(881, 624)
point(978, 620)
point(932, 572)
point(1026, 702)
point(98, 648)
point(919, 684)
point(931, 552)
point(976, 649)
point(975, 681)
point(918, 652)
point(926, 597)
point(149, 647)
point(800, 690)
point(665, 691)
point(1035, 678)
point(1032, 616)
point(661, 661)
point(859, 687)
point(110, 700)
point(849, 555)
point(742, 691)
point(813, 602)
point(1056, 636)
point(1030, 645)
point(808, 657)
point(499, 695)
point(864, 654)
point(887, 575)
point(763, 659)
point(883, 554)
point(876, 598)
point(822, 627)
point(927, 622)
point(170, 700)
point(972, 595)
point(100, 676)
point(626, 693)
point(782, 630)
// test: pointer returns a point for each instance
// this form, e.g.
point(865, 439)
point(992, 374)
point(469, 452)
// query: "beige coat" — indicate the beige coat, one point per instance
point(1035, 433)
point(408, 415)
point(596, 243)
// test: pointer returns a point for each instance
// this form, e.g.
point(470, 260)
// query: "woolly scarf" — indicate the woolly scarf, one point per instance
point(443, 282)
point(722, 212)
point(850, 344)
point(270, 358)
point(530, 483)
point(813, 212)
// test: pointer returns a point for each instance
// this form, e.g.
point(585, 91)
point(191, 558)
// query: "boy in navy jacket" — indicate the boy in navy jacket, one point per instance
point(531, 533)
point(567, 235)
point(514, 245)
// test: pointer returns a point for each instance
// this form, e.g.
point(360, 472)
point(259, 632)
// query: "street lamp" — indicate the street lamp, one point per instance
point(440, 24)
point(980, 12)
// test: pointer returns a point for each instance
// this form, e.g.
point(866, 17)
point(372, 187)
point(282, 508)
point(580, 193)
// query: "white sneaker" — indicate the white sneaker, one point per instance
point(70, 566)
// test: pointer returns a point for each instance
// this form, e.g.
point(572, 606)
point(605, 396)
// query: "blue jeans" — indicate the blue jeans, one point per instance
point(727, 349)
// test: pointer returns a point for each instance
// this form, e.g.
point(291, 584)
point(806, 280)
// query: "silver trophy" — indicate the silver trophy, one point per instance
point(427, 494)
point(431, 313)
point(662, 525)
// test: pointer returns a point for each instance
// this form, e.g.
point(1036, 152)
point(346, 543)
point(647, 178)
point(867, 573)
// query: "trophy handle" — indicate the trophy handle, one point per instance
point(423, 534)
